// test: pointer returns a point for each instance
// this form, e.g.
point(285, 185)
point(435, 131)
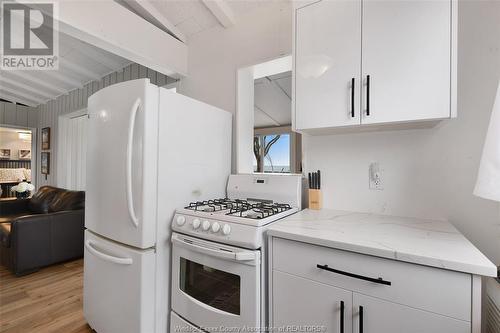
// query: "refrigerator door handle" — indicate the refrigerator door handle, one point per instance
point(117, 260)
point(130, 196)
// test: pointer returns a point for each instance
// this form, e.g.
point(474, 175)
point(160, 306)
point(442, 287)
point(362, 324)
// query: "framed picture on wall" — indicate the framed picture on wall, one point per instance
point(45, 163)
point(46, 138)
point(4, 154)
point(24, 154)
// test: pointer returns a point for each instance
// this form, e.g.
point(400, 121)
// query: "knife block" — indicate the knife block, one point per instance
point(315, 199)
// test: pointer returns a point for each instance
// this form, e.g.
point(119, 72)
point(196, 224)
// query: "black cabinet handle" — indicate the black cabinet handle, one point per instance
point(368, 95)
point(356, 276)
point(352, 97)
point(360, 319)
point(341, 316)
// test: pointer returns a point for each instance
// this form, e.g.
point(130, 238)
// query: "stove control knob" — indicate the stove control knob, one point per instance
point(196, 223)
point(226, 229)
point(180, 220)
point(206, 225)
point(215, 227)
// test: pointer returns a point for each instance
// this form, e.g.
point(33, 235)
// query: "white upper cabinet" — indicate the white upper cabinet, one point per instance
point(406, 54)
point(327, 63)
point(401, 56)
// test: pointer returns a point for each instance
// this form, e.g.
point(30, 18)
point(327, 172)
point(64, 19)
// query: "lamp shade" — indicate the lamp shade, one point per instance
point(488, 178)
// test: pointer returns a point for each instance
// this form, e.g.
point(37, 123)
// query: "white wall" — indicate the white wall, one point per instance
point(216, 54)
point(427, 173)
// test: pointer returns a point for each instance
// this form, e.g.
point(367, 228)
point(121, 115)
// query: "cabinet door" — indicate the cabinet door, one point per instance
point(327, 59)
point(299, 302)
point(380, 316)
point(406, 53)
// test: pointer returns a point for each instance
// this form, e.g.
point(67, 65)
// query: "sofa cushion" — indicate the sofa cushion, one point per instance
point(11, 217)
point(5, 234)
point(41, 200)
point(67, 200)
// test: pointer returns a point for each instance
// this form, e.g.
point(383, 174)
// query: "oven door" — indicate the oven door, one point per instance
point(215, 286)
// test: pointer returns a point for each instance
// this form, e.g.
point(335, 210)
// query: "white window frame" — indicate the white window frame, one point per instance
point(295, 144)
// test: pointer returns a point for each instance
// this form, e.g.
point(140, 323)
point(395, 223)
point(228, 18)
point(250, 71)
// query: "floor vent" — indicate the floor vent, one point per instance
point(493, 306)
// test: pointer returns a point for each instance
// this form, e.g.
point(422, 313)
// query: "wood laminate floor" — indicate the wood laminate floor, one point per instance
point(49, 300)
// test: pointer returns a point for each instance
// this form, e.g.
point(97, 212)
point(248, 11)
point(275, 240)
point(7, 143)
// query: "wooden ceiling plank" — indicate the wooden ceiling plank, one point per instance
point(25, 95)
point(68, 65)
point(44, 82)
point(71, 83)
point(31, 88)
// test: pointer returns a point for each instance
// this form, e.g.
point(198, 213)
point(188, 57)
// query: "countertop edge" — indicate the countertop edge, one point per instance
point(490, 271)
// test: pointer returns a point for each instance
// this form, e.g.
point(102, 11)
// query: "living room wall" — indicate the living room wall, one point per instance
point(48, 114)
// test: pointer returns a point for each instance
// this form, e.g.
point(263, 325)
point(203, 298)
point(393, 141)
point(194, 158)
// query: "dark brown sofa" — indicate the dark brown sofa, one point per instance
point(43, 230)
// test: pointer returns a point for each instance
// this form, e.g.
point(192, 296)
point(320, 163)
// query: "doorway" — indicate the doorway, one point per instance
point(72, 150)
point(17, 158)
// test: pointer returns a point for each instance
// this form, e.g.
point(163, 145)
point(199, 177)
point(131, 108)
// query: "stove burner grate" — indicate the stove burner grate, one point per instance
point(238, 207)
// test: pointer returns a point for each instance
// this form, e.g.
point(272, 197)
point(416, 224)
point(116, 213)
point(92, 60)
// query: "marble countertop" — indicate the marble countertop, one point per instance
point(427, 242)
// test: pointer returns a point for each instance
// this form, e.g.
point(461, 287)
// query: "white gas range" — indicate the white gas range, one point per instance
point(218, 257)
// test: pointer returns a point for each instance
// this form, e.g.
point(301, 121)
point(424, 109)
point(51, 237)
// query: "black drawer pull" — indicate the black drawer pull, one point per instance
point(341, 316)
point(356, 276)
point(368, 95)
point(360, 319)
point(352, 98)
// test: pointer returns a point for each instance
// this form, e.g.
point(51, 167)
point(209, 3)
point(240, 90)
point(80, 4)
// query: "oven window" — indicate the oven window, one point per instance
point(215, 288)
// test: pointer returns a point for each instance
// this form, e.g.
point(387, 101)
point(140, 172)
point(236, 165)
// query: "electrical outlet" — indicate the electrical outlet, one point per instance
point(375, 177)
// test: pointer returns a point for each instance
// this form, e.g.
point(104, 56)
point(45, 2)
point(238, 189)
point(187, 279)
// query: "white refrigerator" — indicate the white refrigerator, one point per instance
point(149, 152)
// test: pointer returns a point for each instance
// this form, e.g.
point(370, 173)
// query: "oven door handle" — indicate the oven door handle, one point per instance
point(219, 253)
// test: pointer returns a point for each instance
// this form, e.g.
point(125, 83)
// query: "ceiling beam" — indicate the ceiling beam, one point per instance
point(31, 76)
point(16, 99)
point(78, 69)
point(22, 92)
point(151, 14)
point(5, 78)
point(135, 39)
point(221, 11)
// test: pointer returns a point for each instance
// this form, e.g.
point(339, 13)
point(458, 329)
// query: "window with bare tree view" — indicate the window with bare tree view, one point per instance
point(272, 153)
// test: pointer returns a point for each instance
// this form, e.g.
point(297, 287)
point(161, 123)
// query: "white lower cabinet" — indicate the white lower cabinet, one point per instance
point(319, 289)
point(373, 315)
point(310, 306)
